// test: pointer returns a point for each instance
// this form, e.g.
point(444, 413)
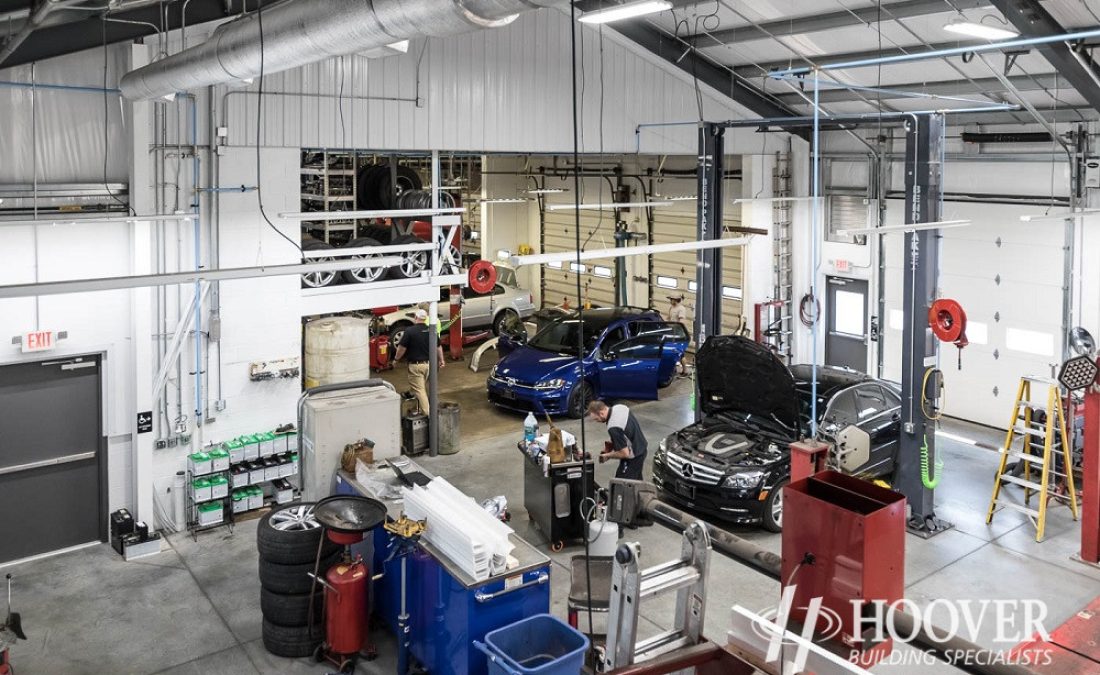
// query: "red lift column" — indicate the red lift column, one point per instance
point(807, 458)
point(1090, 488)
point(456, 323)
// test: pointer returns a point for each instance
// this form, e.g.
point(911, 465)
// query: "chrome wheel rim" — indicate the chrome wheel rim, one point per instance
point(319, 279)
point(413, 263)
point(777, 507)
point(396, 337)
point(365, 275)
point(294, 519)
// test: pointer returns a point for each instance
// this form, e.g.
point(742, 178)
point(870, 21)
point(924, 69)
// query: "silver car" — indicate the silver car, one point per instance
point(506, 302)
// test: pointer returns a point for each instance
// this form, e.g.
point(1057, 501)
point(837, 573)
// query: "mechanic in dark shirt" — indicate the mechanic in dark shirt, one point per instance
point(414, 344)
point(628, 444)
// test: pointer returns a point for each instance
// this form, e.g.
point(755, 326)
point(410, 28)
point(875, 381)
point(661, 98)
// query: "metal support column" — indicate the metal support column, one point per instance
point(708, 292)
point(433, 320)
point(622, 236)
point(923, 204)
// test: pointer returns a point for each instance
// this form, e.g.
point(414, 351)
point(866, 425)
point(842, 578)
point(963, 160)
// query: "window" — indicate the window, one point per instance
point(579, 268)
point(897, 319)
point(667, 282)
point(845, 212)
point(556, 264)
point(601, 271)
point(1029, 341)
point(692, 286)
point(731, 292)
point(648, 343)
point(977, 333)
point(870, 401)
point(842, 410)
point(850, 313)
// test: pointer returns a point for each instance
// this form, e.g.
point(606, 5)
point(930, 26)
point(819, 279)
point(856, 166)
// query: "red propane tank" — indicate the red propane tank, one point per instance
point(346, 607)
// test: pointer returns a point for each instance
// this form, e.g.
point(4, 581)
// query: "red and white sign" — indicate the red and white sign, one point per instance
point(842, 265)
point(38, 341)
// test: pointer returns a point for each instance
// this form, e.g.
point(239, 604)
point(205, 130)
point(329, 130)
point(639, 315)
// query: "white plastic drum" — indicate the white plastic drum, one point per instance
point(337, 350)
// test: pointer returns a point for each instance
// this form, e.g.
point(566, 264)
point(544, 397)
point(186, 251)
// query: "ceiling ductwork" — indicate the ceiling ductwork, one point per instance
point(300, 32)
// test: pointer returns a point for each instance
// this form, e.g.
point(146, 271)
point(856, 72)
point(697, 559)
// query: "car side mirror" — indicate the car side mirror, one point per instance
point(853, 448)
point(611, 356)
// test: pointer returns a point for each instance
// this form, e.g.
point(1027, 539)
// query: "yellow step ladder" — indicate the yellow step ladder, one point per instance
point(1021, 426)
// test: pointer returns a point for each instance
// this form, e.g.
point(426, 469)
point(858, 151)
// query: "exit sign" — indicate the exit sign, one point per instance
point(38, 341)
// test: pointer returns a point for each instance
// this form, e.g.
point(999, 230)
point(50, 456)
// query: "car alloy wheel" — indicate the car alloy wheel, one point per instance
point(294, 519)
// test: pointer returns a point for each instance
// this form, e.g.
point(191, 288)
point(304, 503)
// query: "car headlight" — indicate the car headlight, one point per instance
point(493, 371)
point(556, 383)
point(743, 481)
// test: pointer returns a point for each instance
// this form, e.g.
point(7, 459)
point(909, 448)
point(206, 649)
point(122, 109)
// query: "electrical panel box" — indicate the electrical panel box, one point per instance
point(1092, 172)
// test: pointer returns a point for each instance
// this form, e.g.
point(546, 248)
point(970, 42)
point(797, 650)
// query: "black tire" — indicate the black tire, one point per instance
point(773, 518)
point(412, 262)
point(292, 642)
point(396, 331)
point(317, 279)
point(667, 381)
point(292, 579)
point(291, 609)
point(503, 318)
point(365, 274)
point(287, 536)
point(376, 189)
point(579, 399)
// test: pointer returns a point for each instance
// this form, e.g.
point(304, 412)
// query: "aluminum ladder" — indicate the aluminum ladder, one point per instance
point(783, 277)
point(1053, 438)
point(631, 586)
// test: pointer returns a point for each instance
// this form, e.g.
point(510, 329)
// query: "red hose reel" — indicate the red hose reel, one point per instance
point(483, 276)
point(947, 319)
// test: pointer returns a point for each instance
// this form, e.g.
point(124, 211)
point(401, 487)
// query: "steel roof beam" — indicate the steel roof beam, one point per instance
point(864, 16)
point(759, 69)
point(1032, 20)
point(1045, 81)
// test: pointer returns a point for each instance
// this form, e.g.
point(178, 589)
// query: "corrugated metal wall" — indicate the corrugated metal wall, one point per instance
point(499, 90)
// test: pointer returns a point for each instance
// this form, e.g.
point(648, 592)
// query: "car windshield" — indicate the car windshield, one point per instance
point(560, 337)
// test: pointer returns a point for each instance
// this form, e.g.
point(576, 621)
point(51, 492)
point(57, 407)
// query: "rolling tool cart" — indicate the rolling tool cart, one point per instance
point(553, 499)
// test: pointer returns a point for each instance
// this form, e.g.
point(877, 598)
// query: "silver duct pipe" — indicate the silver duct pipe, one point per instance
point(300, 32)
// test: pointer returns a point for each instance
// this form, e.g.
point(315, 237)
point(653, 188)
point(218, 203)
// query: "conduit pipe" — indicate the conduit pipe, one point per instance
point(306, 31)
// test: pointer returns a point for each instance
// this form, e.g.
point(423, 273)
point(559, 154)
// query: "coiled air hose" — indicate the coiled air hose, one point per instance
point(929, 482)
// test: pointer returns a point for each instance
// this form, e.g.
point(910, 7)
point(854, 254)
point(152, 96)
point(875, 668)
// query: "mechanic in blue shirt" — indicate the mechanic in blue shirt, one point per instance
point(628, 444)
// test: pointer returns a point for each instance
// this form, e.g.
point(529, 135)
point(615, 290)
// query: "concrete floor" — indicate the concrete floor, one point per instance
point(194, 608)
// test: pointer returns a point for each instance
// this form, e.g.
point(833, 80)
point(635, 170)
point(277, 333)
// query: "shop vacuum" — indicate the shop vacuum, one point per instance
point(346, 520)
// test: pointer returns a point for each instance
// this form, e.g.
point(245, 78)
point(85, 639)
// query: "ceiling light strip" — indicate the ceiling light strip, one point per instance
point(608, 206)
point(1059, 216)
point(385, 213)
point(622, 252)
point(172, 217)
point(907, 227)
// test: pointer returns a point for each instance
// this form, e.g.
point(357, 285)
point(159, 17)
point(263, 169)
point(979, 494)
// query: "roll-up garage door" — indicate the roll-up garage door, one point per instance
point(1008, 277)
point(559, 280)
point(675, 273)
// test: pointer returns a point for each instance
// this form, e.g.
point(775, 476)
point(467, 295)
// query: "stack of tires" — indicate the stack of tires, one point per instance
point(288, 540)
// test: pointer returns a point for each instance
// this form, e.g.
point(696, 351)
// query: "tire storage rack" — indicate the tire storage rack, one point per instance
point(291, 546)
point(341, 180)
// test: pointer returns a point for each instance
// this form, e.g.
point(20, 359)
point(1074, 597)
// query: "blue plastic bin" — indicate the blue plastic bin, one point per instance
point(538, 645)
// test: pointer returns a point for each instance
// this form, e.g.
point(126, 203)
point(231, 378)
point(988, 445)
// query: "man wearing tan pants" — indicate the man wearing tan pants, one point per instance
point(414, 344)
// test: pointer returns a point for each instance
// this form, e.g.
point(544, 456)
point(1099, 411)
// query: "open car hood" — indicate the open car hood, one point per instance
point(737, 374)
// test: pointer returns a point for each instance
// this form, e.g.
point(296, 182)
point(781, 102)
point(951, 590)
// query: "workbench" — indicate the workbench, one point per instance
point(447, 608)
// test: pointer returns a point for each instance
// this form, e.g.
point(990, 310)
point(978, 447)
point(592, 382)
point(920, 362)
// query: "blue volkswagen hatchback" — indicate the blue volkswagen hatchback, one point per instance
point(628, 354)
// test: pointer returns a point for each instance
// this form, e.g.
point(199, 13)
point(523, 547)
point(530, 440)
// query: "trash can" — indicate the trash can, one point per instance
point(448, 428)
point(538, 645)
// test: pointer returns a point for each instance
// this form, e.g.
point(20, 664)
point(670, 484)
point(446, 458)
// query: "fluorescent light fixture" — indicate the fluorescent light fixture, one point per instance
point(681, 198)
point(545, 191)
point(598, 254)
point(775, 199)
point(981, 30)
point(1059, 216)
point(627, 10)
point(164, 217)
point(503, 200)
point(607, 207)
point(907, 227)
point(347, 215)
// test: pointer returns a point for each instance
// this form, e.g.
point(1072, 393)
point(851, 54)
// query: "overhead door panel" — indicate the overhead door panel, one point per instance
point(675, 273)
point(1008, 277)
point(559, 280)
point(50, 456)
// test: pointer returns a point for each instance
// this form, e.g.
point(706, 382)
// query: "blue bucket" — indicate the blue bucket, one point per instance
point(538, 645)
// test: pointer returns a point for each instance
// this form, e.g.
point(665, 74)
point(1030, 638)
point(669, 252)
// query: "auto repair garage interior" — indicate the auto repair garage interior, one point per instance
point(548, 337)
